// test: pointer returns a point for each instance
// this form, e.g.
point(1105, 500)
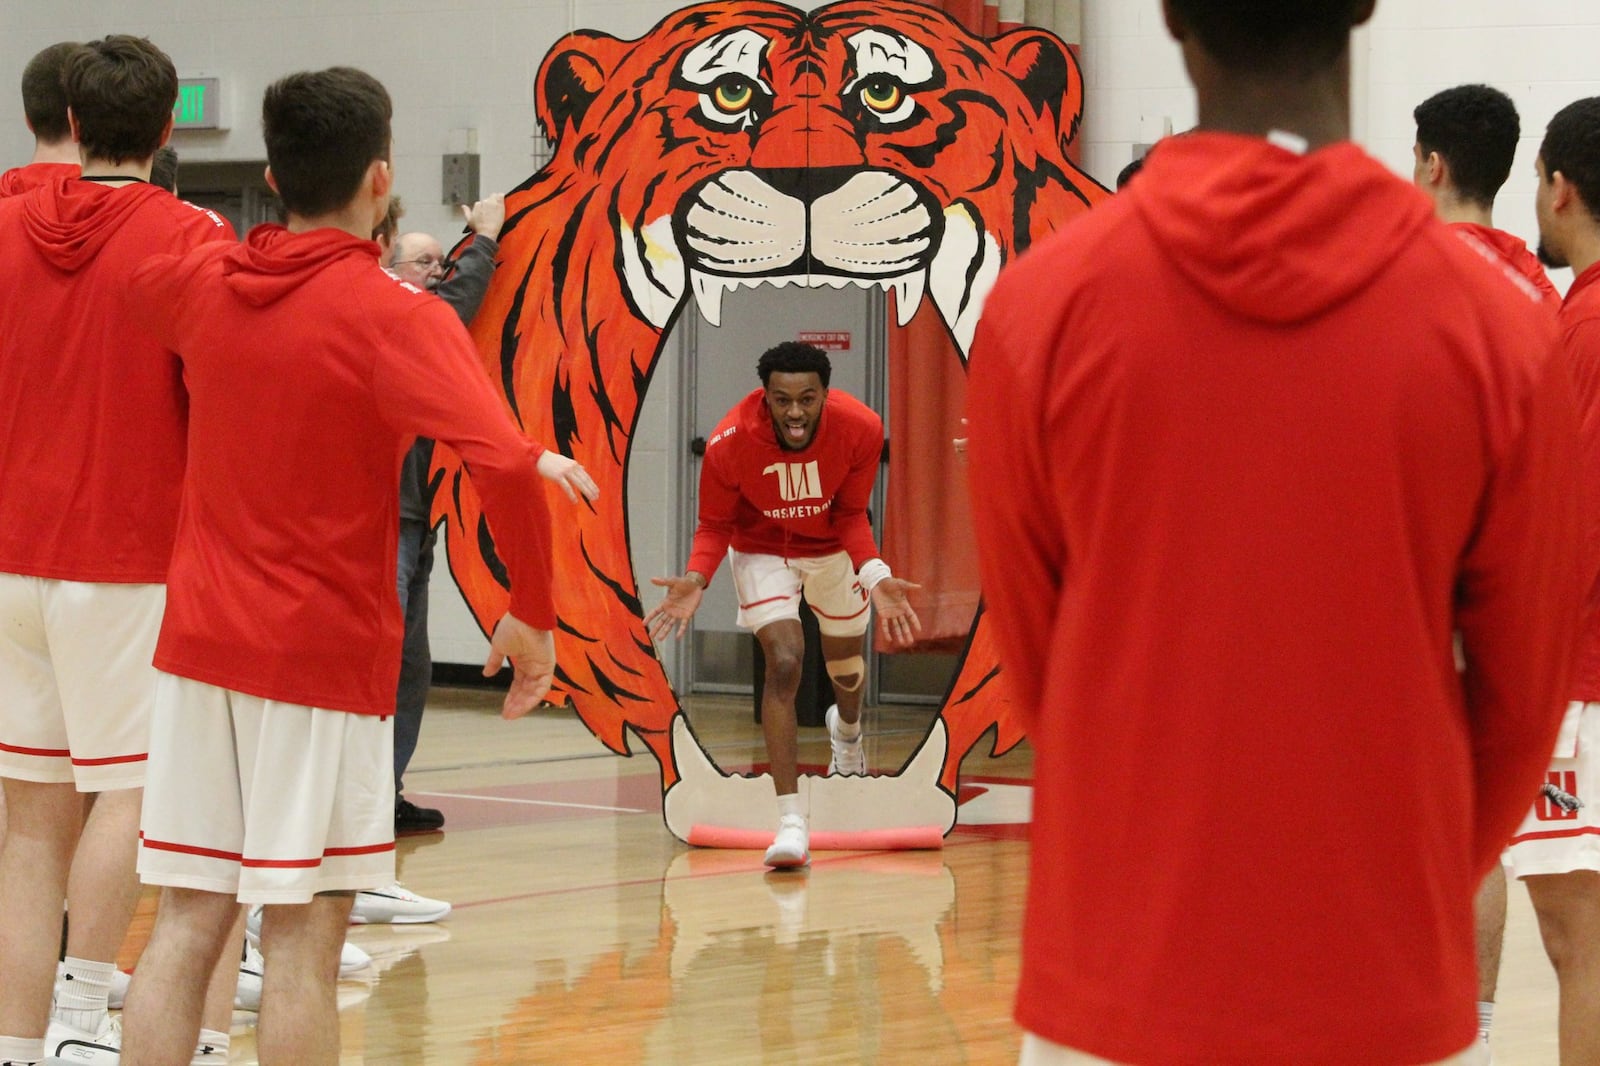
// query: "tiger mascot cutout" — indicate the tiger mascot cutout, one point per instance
point(740, 143)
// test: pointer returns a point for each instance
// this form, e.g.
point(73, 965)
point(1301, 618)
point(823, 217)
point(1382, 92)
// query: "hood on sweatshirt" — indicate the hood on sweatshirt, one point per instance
point(70, 220)
point(273, 262)
point(1270, 234)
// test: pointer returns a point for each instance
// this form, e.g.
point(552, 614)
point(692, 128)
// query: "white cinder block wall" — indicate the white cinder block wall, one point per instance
point(469, 65)
point(1542, 53)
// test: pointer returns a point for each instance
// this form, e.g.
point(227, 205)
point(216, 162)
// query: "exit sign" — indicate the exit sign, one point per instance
point(199, 105)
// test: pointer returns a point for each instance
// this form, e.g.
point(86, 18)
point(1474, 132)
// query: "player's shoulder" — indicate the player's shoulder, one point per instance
point(728, 429)
point(197, 224)
point(1095, 248)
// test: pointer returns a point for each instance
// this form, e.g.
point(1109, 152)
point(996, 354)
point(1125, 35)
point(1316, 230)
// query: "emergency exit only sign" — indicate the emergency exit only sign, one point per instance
point(829, 340)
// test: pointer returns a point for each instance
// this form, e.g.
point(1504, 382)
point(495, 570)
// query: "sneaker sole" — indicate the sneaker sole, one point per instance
point(788, 862)
point(401, 919)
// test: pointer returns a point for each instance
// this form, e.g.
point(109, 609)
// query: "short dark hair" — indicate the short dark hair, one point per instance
point(1474, 128)
point(389, 226)
point(121, 90)
point(1270, 36)
point(1572, 146)
point(1126, 174)
point(164, 168)
point(323, 130)
point(44, 98)
point(794, 357)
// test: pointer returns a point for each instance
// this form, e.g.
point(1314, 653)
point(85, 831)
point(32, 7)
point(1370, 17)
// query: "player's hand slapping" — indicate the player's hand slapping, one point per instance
point(569, 474)
point(673, 613)
point(896, 617)
point(533, 663)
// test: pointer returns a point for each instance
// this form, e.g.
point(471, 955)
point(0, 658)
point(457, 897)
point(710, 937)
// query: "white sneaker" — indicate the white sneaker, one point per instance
point(352, 960)
point(792, 844)
point(396, 904)
point(247, 994)
point(848, 755)
point(71, 1044)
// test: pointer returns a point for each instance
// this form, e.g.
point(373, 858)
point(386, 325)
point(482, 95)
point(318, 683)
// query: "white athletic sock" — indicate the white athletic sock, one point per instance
point(21, 1050)
point(82, 992)
point(1485, 1020)
point(790, 804)
point(213, 1048)
point(847, 730)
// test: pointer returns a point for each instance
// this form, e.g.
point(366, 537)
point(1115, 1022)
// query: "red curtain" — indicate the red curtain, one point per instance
point(927, 528)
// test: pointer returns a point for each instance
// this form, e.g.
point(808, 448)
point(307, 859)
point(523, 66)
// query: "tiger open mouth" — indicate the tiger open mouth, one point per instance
point(872, 229)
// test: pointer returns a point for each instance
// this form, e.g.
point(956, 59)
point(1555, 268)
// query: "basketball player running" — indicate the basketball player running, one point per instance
point(783, 493)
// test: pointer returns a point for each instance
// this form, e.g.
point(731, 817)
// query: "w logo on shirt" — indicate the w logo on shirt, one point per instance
point(797, 481)
point(1547, 810)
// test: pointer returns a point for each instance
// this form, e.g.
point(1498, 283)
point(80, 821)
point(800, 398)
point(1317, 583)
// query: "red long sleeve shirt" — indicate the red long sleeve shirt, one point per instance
point(310, 370)
point(1580, 335)
point(758, 496)
point(92, 411)
point(1513, 252)
point(1249, 444)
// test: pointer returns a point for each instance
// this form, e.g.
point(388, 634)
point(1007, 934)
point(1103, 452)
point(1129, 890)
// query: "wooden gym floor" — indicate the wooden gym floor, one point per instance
point(584, 933)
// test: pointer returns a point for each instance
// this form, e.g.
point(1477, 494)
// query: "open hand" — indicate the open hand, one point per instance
point(896, 617)
point(533, 663)
point(683, 599)
point(569, 474)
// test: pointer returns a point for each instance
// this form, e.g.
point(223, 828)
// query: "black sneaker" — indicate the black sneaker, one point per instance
point(409, 818)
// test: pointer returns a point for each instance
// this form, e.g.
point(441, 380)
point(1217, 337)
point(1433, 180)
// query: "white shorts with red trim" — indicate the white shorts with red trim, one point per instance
point(1552, 840)
point(270, 802)
point(770, 587)
point(76, 684)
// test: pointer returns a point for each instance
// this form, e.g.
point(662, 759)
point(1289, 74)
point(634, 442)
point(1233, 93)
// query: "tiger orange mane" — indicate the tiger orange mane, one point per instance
point(752, 103)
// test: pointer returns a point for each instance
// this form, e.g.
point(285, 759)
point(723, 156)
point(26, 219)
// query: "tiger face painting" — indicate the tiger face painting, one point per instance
point(743, 143)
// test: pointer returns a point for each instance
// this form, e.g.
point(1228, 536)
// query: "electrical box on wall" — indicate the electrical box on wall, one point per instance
point(461, 178)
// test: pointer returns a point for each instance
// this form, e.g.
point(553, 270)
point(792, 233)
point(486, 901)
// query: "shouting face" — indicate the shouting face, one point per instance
point(794, 400)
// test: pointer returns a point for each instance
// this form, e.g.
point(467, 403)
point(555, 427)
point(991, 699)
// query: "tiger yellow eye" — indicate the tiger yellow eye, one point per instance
point(882, 96)
point(733, 95)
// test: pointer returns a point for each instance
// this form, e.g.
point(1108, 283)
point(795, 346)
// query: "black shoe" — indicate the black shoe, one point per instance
point(409, 818)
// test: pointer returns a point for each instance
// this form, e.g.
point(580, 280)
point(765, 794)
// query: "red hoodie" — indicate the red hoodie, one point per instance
point(759, 496)
point(1513, 252)
point(19, 180)
point(1580, 334)
point(310, 370)
point(91, 411)
point(1250, 443)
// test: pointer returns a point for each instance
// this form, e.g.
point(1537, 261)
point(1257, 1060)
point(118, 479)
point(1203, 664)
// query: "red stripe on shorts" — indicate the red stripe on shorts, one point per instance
point(839, 617)
point(111, 761)
point(769, 599)
point(234, 856)
point(1553, 834)
point(189, 849)
point(365, 849)
point(368, 849)
point(43, 753)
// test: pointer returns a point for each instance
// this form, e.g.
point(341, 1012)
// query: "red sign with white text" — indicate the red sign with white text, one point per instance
point(827, 340)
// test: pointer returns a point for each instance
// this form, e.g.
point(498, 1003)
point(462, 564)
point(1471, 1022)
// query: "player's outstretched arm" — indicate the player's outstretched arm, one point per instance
point(569, 474)
point(533, 663)
point(673, 613)
point(897, 618)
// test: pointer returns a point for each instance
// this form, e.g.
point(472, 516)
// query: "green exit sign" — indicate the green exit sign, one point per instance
point(199, 105)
